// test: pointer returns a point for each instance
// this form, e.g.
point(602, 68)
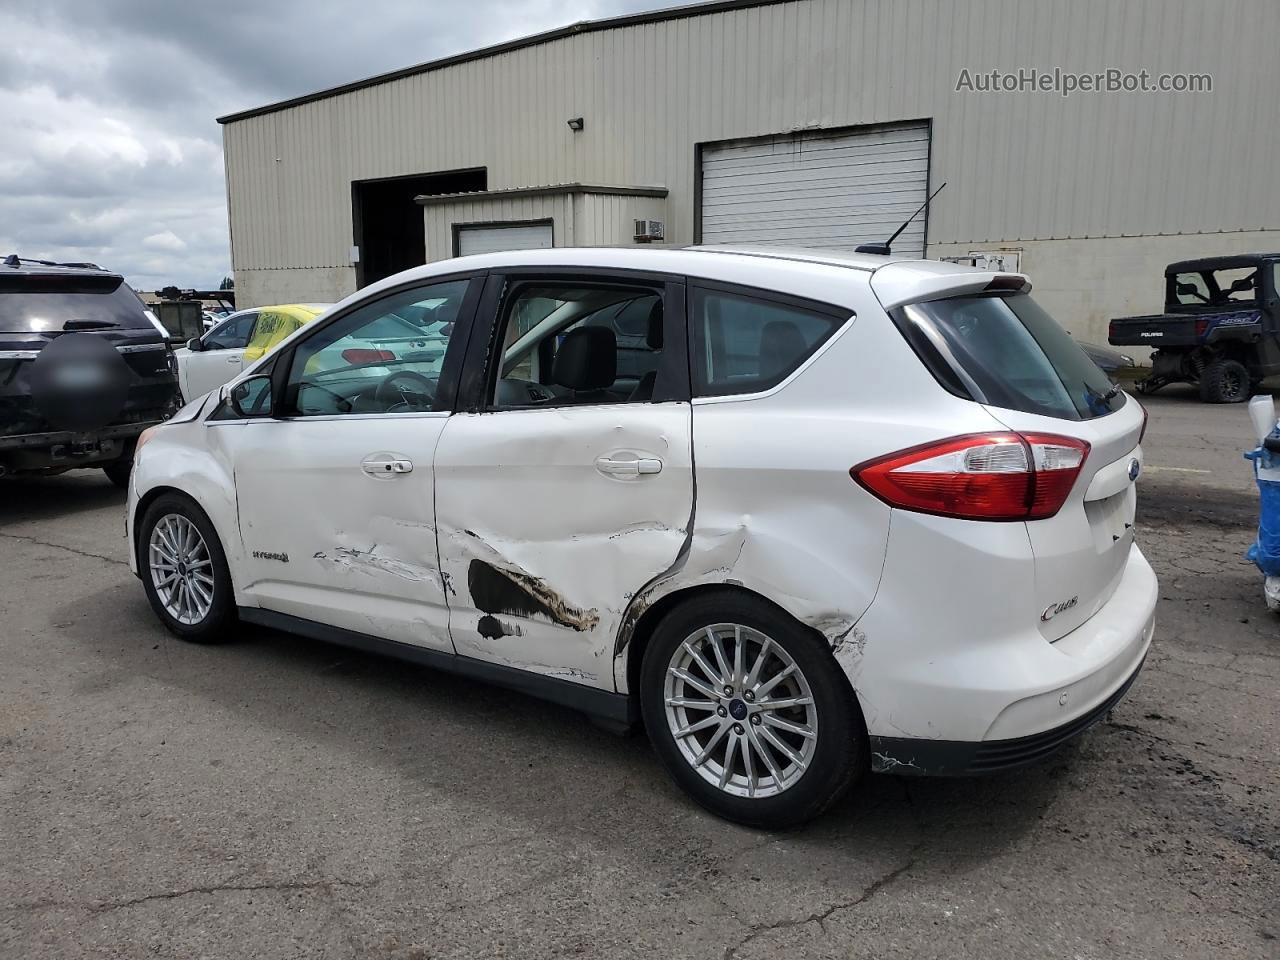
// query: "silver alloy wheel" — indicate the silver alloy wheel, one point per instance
point(181, 568)
point(740, 710)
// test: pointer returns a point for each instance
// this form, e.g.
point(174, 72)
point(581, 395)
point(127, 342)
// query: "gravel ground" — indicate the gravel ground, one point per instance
point(282, 798)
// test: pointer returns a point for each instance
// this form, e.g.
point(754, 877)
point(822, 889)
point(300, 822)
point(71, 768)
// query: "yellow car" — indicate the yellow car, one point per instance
point(239, 340)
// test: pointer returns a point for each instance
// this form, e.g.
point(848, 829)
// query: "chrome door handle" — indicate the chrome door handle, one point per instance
point(233, 359)
point(384, 467)
point(629, 468)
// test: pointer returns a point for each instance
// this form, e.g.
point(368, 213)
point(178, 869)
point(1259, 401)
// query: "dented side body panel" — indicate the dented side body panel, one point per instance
point(540, 550)
point(194, 458)
point(777, 511)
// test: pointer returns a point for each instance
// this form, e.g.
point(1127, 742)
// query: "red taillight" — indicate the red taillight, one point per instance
point(1202, 327)
point(982, 476)
point(358, 355)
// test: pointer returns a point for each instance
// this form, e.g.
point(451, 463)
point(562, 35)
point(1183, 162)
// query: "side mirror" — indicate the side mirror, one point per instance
point(195, 344)
point(1244, 283)
point(251, 397)
point(1188, 290)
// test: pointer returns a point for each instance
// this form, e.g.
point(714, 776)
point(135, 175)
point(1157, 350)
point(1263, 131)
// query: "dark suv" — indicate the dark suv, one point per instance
point(84, 369)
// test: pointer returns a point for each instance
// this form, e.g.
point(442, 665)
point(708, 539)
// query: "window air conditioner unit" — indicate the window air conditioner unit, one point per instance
point(648, 231)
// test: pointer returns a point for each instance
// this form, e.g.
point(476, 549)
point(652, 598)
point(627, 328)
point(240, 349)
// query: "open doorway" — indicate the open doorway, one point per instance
point(389, 229)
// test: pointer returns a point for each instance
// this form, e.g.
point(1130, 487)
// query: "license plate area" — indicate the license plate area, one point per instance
point(1111, 520)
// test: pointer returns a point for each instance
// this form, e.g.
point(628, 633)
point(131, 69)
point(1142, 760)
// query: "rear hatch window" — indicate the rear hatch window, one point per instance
point(1006, 351)
point(40, 303)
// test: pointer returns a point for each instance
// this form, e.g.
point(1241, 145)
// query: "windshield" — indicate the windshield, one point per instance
point(1008, 352)
point(1215, 287)
point(34, 304)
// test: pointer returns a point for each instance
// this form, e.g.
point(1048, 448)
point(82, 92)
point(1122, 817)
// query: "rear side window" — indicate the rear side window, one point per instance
point(1008, 352)
point(35, 303)
point(1215, 288)
point(744, 343)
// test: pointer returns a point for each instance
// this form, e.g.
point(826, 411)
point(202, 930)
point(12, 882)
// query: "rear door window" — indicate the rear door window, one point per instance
point(33, 303)
point(578, 343)
point(1008, 352)
point(748, 342)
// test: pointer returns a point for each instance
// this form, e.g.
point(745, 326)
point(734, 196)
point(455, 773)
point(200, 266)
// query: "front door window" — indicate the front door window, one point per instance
point(383, 358)
point(232, 334)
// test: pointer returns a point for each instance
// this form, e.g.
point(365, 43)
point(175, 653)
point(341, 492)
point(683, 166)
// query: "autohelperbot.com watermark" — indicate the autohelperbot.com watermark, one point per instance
point(1066, 83)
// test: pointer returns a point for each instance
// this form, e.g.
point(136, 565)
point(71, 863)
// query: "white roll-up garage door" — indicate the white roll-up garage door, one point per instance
point(824, 190)
point(481, 238)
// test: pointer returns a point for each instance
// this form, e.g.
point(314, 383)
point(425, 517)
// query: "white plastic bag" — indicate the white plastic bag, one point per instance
point(1271, 590)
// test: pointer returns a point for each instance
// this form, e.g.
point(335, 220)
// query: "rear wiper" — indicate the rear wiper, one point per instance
point(89, 325)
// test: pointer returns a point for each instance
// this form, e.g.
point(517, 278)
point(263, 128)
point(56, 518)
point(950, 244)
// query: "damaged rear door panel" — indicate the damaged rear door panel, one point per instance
point(539, 549)
point(551, 517)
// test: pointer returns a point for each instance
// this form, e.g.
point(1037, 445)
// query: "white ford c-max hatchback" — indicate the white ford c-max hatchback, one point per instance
point(804, 515)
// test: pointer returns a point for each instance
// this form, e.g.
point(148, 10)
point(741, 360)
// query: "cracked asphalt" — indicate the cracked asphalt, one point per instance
point(281, 798)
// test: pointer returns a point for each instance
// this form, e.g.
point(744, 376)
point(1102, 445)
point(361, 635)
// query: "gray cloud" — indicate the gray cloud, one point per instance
point(110, 151)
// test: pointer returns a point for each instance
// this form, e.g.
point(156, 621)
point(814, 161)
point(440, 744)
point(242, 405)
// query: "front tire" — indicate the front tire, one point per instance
point(749, 712)
point(1224, 381)
point(184, 570)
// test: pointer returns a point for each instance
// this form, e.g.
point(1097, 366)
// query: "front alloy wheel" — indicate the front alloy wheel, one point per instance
point(749, 711)
point(184, 570)
point(181, 569)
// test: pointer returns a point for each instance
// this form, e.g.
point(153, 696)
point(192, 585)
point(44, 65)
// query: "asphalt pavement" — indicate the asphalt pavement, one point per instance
point(277, 797)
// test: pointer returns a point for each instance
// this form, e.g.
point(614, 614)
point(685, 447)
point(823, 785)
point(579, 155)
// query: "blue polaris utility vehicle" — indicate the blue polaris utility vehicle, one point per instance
point(1220, 328)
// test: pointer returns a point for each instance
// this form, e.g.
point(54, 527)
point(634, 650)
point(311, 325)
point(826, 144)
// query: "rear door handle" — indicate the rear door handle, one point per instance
point(383, 467)
point(629, 468)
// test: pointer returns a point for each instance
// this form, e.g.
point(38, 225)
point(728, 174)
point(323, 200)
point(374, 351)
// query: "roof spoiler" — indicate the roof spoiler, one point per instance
point(914, 281)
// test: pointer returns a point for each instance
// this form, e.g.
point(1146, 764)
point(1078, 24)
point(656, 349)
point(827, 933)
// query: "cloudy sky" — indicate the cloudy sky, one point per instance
point(110, 151)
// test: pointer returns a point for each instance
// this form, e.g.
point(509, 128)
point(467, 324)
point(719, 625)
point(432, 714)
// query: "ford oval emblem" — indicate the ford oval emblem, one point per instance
point(1135, 468)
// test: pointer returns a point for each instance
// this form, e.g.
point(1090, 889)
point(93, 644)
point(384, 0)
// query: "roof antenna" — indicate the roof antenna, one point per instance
point(882, 249)
point(12, 260)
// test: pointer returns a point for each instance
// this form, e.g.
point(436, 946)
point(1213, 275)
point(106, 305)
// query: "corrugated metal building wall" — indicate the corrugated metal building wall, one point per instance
point(1097, 191)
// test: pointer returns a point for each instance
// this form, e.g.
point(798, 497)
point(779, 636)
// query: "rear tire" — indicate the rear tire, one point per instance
point(1224, 381)
point(792, 776)
point(118, 472)
point(184, 571)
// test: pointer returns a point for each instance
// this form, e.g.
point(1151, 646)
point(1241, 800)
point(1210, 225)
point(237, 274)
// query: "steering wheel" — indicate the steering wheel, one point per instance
point(406, 390)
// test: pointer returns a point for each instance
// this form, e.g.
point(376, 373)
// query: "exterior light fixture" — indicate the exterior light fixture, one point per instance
point(575, 124)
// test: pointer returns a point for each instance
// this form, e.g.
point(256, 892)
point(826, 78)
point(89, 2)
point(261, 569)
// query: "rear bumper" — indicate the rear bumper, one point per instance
point(60, 450)
point(955, 758)
point(939, 699)
point(52, 438)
